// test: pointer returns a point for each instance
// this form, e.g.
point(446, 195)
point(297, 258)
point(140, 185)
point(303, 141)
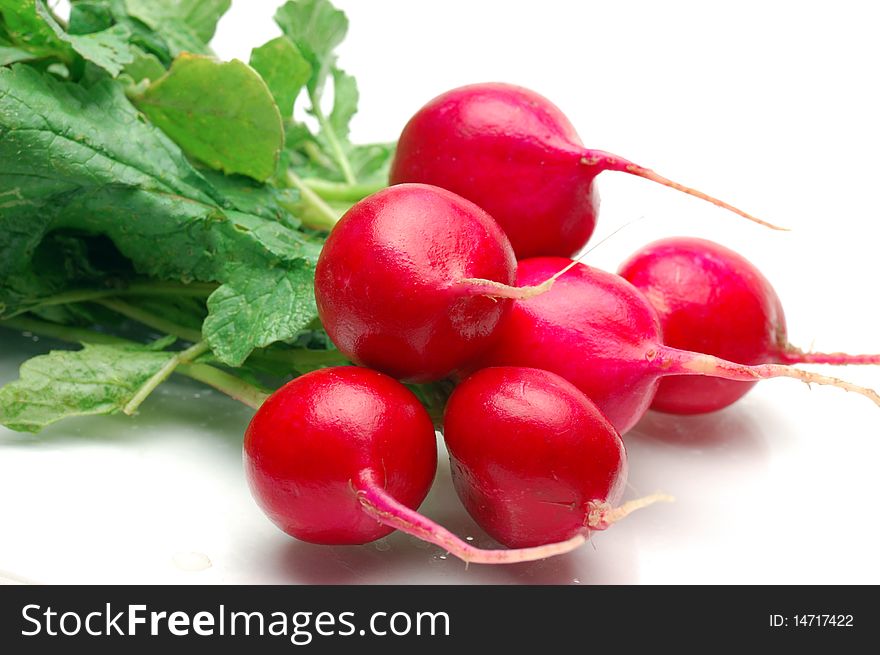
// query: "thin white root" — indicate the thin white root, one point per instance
point(603, 514)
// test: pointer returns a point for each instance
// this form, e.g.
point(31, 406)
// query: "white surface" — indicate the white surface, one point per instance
point(772, 106)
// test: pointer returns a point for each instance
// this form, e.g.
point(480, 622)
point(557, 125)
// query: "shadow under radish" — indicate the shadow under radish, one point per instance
point(404, 559)
point(733, 428)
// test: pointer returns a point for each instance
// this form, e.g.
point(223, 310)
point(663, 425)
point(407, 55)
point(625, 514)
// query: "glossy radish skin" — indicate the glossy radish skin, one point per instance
point(533, 459)
point(516, 155)
point(513, 153)
point(592, 328)
point(712, 300)
point(344, 456)
point(600, 333)
point(404, 282)
point(314, 440)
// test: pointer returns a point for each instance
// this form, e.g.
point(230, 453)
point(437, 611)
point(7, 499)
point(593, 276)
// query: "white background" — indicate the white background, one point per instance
point(772, 106)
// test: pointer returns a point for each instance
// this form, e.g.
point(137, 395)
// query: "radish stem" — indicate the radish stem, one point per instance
point(226, 383)
point(342, 192)
point(326, 216)
point(149, 319)
point(183, 357)
point(333, 140)
point(195, 290)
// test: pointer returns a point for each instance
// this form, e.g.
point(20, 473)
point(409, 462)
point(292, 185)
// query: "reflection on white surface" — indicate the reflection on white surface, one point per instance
point(764, 494)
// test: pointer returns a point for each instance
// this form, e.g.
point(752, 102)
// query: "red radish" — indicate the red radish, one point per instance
point(517, 156)
point(600, 333)
point(344, 456)
point(533, 459)
point(414, 281)
point(712, 300)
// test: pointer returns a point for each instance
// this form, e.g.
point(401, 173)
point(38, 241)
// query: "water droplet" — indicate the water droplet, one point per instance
point(35, 338)
point(197, 395)
point(442, 556)
point(576, 581)
point(27, 334)
point(382, 546)
point(469, 538)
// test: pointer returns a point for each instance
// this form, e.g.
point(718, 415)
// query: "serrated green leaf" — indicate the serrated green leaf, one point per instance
point(345, 102)
point(83, 159)
point(99, 379)
point(284, 69)
point(371, 162)
point(108, 49)
point(316, 27)
point(220, 113)
point(184, 25)
point(50, 130)
point(281, 300)
point(202, 16)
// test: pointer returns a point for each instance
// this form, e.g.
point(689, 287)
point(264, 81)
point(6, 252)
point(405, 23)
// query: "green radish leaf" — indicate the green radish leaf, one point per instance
point(220, 113)
point(108, 49)
point(345, 102)
point(99, 379)
point(251, 197)
point(58, 262)
point(89, 17)
point(83, 159)
point(316, 27)
point(281, 300)
point(10, 55)
point(29, 31)
point(145, 66)
point(202, 16)
point(184, 25)
point(372, 162)
point(284, 69)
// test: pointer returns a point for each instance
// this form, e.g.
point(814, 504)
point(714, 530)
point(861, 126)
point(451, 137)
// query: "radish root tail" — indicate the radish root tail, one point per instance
point(377, 503)
point(603, 514)
point(793, 355)
point(673, 361)
point(607, 161)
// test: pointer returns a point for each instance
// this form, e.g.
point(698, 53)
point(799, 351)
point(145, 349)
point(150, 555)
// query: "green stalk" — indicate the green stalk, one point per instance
point(183, 357)
point(342, 192)
point(61, 332)
point(317, 155)
point(302, 357)
point(326, 216)
point(196, 290)
point(150, 320)
point(224, 382)
point(333, 140)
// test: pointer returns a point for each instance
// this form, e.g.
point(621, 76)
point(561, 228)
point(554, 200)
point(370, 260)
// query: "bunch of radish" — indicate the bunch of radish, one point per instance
point(461, 271)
